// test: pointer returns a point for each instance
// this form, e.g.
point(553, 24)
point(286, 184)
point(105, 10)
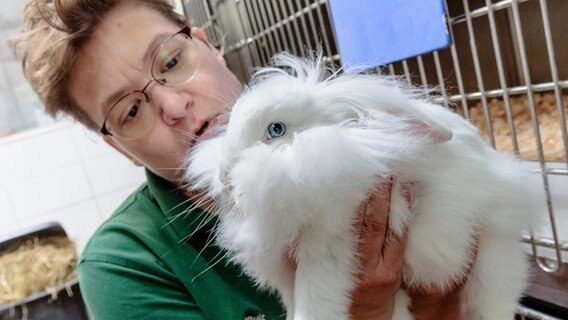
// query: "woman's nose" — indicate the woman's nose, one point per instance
point(171, 105)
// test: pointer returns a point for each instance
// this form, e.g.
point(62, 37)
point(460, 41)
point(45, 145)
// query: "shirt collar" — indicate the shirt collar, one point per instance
point(177, 208)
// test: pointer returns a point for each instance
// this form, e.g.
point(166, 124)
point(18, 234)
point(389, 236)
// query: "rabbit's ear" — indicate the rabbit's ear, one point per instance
point(433, 132)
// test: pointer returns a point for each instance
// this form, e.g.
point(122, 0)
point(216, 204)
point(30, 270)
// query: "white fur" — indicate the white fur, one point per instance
point(345, 135)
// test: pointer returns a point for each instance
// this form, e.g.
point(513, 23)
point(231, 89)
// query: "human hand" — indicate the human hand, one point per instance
point(439, 303)
point(380, 275)
point(381, 259)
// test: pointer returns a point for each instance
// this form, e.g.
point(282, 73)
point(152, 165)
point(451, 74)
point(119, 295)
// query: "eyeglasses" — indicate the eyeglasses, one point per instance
point(175, 63)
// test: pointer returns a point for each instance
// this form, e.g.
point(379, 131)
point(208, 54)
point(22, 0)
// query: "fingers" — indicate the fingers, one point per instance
point(455, 286)
point(372, 225)
point(395, 245)
point(378, 200)
point(380, 249)
point(381, 254)
point(393, 250)
point(407, 193)
point(460, 282)
point(473, 252)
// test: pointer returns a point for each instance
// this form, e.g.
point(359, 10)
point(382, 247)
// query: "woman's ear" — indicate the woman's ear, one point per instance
point(123, 151)
point(201, 35)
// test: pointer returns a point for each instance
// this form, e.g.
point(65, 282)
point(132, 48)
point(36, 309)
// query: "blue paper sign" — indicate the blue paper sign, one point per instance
point(374, 33)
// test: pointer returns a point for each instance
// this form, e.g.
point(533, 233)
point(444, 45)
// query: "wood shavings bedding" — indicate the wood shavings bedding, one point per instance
point(549, 125)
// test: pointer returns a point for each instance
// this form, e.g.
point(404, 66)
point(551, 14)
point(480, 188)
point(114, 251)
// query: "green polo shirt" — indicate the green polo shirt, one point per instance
point(140, 265)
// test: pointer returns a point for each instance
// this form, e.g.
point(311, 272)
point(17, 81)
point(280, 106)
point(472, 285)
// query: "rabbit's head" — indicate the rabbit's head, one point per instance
point(298, 95)
point(302, 139)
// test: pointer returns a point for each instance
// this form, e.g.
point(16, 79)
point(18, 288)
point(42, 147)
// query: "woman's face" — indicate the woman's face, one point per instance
point(115, 61)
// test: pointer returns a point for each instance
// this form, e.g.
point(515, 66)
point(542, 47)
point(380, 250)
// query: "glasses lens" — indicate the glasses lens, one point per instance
point(176, 61)
point(131, 117)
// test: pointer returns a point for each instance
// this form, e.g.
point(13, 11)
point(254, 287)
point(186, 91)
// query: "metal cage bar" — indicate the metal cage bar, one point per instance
point(267, 27)
point(253, 54)
point(457, 68)
point(440, 77)
point(293, 18)
point(406, 71)
point(529, 314)
point(301, 15)
point(285, 28)
point(555, 77)
point(478, 74)
point(322, 26)
point(423, 79)
point(546, 265)
point(501, 74)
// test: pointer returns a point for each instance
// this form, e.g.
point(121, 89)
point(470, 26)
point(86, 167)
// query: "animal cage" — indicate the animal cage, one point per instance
point(506, 71)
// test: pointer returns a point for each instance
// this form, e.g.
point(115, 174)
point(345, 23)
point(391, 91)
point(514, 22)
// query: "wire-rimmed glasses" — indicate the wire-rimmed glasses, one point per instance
point(175, 63)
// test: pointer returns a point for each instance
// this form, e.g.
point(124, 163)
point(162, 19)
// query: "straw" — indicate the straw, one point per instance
point(36, 265)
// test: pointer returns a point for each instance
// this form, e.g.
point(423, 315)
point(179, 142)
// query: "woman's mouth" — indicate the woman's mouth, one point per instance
point(202, 129)
point(209, 128)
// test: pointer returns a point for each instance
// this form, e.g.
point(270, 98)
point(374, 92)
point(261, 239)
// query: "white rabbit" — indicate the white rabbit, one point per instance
point(304, 148)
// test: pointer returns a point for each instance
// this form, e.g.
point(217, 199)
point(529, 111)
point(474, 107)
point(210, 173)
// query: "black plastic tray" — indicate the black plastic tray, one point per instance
point(62, 303)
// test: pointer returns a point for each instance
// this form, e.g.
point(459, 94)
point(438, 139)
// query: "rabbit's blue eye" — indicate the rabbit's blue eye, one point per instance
point(275, 130)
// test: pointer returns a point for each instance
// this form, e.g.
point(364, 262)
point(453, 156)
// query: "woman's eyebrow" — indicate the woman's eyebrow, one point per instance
point(153, 47)
point(109, 102)
point(148, 56)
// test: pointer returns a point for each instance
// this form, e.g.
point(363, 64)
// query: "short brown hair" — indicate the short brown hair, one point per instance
point(54, 32)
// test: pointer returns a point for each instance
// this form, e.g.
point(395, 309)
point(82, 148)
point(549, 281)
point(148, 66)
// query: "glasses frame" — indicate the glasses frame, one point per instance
point(186, 30)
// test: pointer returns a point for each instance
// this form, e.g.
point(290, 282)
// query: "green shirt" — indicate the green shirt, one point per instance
point(140, 264)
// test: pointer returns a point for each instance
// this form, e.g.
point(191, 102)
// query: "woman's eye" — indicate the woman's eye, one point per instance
point(132, 113)
point(170, 62)
point(275, 130)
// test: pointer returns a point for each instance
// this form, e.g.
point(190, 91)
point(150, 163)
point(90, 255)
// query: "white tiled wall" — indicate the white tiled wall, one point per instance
point(62, 173)
point(7, 215)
